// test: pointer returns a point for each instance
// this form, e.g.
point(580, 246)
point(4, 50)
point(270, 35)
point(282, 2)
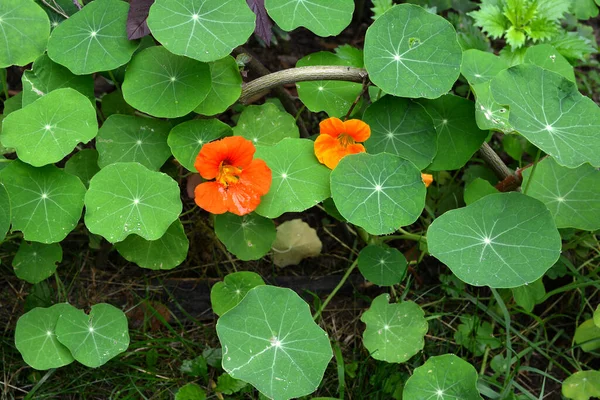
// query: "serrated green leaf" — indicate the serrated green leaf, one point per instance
point(226, 87)
point(582, 385)
point(491, 20)
point(552, 9)
point(191, 391)
point(584, 9)
point(408, 44)
point(475, 335)
point(266, 125)
point(546, 56)
point(573, 46)
point(93, 39)
point(48, 129)
point(83, 164)
point(322, 17)
point(384, 266)
point(481, 66)
point(227, 294)
point(248, 237)
point(35, 262)
point(515, 37)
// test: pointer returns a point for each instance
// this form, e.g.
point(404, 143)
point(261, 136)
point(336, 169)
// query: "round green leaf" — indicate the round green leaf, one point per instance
point(83, 164)
point(48, 129)
point(36, 340)
point(488, 113)
point(24, 31)
point(401, 127)
point(225, 89)
point(379, 193)
point(47, 76)
point(481, 66)
point(410, 52)
point(504, 240)
point(476, 189)
point(191, 391)
point(165, 85)
point(582, 385)
point(114, 103)
point(95, 338)
point(546, 56)
point(587, 335)
point(271, 341)
point(187, 138)
point(227, 294)
point(266, 125)
point(93, 39)
point(597, 316)
point(206, 30)
point(125, 138)
point(46, 203)
point(395, 332)
point(550, 112)
point(458, 136)
point(248, 237)
point(333, 97)
point(445, 377)
point(571, 195)
point(35, 262)
point(5, 213)
point(322, 17)
point(165, 253)
point(384, 266)
point(299, 180)
point(128, 198)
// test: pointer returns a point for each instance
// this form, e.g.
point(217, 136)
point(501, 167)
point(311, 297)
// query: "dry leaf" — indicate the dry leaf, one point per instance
point(295, 241)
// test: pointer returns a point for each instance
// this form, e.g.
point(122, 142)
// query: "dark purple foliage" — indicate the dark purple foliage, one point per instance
point(136, 19)
point(77, 4)
point(263, 22)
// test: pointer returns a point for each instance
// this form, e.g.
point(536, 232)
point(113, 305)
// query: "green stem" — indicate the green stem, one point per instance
point(335, 290)
point(406, 235)
point(4, 83)
point(567, 288)
point(5, 160)
point(112, 77)
point(535, 163)
point(509, 350)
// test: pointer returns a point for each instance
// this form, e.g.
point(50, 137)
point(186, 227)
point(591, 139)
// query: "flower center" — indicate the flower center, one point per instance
point(346, 140)
point(228, 174)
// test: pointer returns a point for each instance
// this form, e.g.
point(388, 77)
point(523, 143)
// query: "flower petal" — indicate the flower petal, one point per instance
point(427, 179)
point(332, 127)
point(357, 129)
point(234, 150)
point(242, 199)
point(212, 197)
point(323, 144)
point(257, 176)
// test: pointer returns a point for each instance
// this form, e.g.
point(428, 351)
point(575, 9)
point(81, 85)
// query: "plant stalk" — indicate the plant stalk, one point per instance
point(335, 290)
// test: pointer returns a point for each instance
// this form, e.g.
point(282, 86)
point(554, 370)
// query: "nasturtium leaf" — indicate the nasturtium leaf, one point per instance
point(587, 335)
point(67, 7)
point(299, 180)
point(266, 125)
point(504, 240)
point(322, 17)
point(490, 115)
point(458, 136)
point(445, 377)
point(550, 112)
point(401, 127)
point(333, 97)
point(249, 237)
point(527, 296)
point(227, 294)
point(12, 104)
point(481, 66)
point(395, 332)
point(93, 39)
point(114, 103)
point(46, 203)
point(582, 385)
point(128, 198)
point(46, 76)
point(35, 261)
point(597, 316)
point(226, 87)
point(187, 138)
point(165, 85)
point(5, 213)
point(228, 385)
point(477, 189)
point(48, 129)
point(95, 338)
point(384, 266)
point(571, 195)
point(125, 138)
point(191, 391)
point(410, 52)
point(24, 31)
point(295, 241)
point(35, 338)
point(165, 253)
point(546, 56)
point(379, 193)
point(271, 341)
point(206, 30)
point(84, 165)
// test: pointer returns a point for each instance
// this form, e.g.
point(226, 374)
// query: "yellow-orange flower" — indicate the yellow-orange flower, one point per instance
point(427, 179)
point(339, 138)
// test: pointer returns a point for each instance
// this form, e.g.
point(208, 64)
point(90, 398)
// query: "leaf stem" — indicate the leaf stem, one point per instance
point(3, 76)
point(535, 163)
point(335, 290)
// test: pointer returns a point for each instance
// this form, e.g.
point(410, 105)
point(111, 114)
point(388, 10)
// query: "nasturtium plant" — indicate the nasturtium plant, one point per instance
point(266, 125)
point(582, 385)
point(546, 56)
point(227, 294)
point(46, 203)
point(83, 164)
point(395, 332)
point(503, 240)
point(476, 189)
point(191, 391)
point(527, 296)
point(408, 44)
point(587, 336)
point(35, 261)
point(48, 129)
point(95, 338)
point(249, 237)
point(324, 18)
point(128, 198)
point(93, 39)
point(226, 87)
point(270, 341)
point(384, 266)
point(488, 113)
point(481, 66)
point(5, 213)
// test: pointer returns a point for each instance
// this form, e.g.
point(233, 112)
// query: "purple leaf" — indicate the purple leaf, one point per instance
point(77, 4)
point(136, 19)
point(263, 22)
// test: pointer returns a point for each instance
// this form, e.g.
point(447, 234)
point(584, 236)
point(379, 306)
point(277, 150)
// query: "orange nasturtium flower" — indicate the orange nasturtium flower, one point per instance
point(427, 179)
point(239, 180)
point(339, 138)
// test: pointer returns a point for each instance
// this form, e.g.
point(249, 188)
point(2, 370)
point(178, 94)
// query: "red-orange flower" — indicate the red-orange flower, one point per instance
point(427, 179)
point(339, 138)
point(239, 180)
